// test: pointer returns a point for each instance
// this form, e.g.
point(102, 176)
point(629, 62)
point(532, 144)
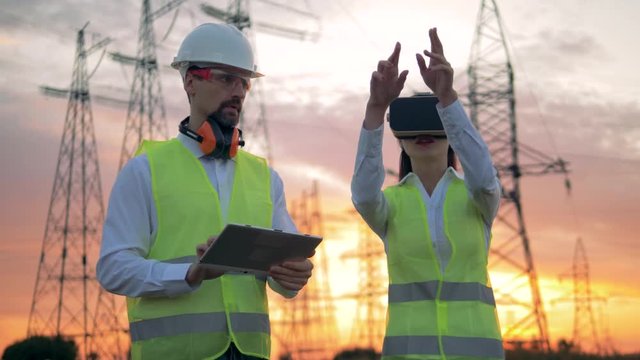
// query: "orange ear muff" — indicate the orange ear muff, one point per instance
point(235, 141)
point(208, 143)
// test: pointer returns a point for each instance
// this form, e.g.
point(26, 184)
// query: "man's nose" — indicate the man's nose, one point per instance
point(238, 89)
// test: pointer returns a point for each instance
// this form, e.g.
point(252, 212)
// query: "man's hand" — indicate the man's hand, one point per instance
point(293, 274)
point(197, 273)
point(384, 87)
point(439, 75)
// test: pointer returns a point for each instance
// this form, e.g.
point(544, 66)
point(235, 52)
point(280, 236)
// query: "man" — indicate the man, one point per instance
point(178, 194)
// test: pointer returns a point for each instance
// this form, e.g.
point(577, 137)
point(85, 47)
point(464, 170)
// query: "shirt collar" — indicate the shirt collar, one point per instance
point(413, 179)
point(192, 145)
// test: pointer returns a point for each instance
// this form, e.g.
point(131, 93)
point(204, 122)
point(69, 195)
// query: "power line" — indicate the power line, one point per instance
point(368, 39)
point(528, 86)
point(603, 157)
point(20, 19)
point(238, 14)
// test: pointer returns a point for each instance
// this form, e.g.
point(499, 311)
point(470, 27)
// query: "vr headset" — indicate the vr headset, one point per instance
point(416, 115)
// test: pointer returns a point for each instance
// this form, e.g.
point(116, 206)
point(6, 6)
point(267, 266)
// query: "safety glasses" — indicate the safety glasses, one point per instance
point(229, 80)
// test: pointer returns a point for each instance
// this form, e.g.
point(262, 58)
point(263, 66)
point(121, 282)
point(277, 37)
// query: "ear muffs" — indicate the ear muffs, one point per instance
point(219, 142)
point(208, 143)
point(235, 142)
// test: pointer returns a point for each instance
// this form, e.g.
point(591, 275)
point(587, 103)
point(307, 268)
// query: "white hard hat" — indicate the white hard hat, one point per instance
point(217, 44)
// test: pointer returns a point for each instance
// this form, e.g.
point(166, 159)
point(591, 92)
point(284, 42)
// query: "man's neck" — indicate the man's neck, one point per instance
point(196, 120)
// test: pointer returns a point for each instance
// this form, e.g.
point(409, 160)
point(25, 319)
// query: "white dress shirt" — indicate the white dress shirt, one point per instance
point(131, 226)
point(480, 178)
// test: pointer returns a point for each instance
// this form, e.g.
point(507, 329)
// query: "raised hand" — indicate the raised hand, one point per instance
point(438, 76)
point(384, 87)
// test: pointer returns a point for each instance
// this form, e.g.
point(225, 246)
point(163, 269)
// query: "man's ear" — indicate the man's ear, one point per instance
point(188, 84)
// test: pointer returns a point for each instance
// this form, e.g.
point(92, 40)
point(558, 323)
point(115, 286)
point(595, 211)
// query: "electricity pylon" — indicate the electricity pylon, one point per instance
point(237, 13)
point(306, 326)
point(369, 324)
point(493, 111)
point(145, 110)
point(589, 334)
point(67, 300)
point(146, 113)
point(584, 325)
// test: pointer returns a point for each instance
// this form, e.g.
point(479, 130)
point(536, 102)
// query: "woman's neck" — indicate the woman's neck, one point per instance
point(429, 171)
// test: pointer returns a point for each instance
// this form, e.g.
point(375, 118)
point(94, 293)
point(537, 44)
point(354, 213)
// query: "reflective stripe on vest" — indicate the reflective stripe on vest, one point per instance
point(451, 291)
point(197, 323)
point(452, 345)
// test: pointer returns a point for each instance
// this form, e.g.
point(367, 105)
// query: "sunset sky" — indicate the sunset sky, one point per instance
point(577, 92)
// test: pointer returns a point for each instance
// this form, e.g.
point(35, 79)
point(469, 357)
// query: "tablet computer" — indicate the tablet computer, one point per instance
point(251, 249)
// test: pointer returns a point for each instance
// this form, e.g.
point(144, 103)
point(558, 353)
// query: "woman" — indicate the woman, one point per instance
point(435, 224)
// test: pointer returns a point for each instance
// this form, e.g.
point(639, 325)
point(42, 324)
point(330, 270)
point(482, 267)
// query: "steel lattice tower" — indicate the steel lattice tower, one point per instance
point(493, 111)
point(590, 330)
point(584, 325)
point(146, 113)
point(67, 299)
point(369, 324)
point(306, 325)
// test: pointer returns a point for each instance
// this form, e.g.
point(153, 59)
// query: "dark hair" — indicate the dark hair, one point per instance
point(405, 162)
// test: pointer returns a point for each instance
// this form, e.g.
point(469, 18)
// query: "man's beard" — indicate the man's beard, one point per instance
point(218, 115)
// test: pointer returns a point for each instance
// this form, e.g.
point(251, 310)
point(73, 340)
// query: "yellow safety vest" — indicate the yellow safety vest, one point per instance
point(233, 307)
point(432, 315)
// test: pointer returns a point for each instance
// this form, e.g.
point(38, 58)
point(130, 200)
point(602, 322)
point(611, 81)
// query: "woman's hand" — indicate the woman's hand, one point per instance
point(439, 75)
point(386, 84)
